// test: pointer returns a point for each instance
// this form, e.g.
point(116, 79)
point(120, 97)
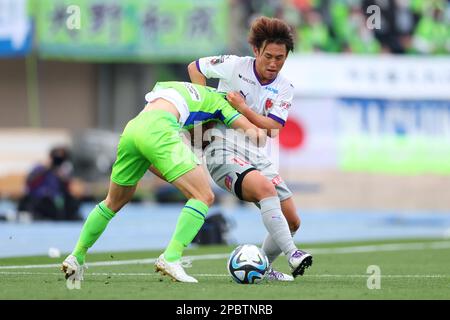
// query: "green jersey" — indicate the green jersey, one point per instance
point(204, 104)
point(153, 137)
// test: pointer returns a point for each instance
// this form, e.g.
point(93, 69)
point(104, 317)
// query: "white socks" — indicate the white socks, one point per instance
point(277, 226)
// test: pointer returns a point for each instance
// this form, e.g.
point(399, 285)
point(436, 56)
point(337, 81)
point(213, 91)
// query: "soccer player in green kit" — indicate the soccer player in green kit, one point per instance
point(152, 140)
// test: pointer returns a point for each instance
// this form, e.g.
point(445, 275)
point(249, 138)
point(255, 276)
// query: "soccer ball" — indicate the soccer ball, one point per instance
point(248, 264)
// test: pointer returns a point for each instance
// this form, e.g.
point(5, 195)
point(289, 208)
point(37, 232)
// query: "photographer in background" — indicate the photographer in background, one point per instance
point(48, 195)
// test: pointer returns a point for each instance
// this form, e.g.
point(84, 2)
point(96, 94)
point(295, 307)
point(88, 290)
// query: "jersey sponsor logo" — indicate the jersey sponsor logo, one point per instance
point(268, 104)
point(228, 182)
point(246, 79)
point(193, 92)
point(271, 89)
point(277, 180)
point(285, 105)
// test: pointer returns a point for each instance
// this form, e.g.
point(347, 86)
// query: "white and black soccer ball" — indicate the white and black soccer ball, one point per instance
point(248, 264)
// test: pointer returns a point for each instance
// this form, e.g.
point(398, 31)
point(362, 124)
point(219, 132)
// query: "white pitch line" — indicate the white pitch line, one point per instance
point(117, 263)
point(315, 251)
point(96, 274)
point(384, 247)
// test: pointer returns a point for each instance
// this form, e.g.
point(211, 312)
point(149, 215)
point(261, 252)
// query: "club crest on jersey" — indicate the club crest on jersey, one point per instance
point(228, 182)
point(268, 104)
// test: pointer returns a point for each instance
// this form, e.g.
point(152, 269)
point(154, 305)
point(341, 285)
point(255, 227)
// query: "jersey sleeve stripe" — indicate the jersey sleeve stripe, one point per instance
point(232, 119)
point(277, 119)
point(197, 64)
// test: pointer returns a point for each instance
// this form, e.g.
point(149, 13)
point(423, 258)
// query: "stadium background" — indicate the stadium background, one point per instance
point(366, 148)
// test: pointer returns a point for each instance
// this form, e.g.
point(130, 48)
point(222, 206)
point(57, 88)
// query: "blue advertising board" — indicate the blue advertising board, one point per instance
point(15, 28)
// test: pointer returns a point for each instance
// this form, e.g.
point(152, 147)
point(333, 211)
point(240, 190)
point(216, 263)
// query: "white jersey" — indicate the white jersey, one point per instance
point(272, 99)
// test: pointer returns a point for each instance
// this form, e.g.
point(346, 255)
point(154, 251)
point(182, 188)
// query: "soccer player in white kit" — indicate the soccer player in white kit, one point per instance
point(257, 90)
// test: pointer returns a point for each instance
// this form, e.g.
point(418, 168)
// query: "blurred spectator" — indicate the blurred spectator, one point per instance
point(405, 26)
point(359, 38)
point(313, 33)
point(48, 194)
point(406, 21)
point(432, 34)
point(387, 33)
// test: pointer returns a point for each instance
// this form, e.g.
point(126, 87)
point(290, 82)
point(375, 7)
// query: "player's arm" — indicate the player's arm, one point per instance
point(195, 75)
point(238, 102)
point(216, 67)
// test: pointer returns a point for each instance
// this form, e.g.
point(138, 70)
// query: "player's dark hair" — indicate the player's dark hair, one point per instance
point(266, 30)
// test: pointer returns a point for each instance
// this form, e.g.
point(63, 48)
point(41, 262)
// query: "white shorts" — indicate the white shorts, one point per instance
point(228, 167)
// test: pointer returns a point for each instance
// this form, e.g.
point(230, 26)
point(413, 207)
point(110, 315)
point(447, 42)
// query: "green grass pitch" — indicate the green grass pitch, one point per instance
point(409, 269)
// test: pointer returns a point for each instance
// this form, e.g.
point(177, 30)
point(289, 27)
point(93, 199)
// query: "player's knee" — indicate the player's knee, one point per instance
point(266, 189)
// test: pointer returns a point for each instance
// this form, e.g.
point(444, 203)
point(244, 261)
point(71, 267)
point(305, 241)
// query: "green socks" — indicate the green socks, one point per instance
point(189, 223)
point(94, 226)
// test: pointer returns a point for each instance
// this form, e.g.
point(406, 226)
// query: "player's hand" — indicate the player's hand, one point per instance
point(236, 100)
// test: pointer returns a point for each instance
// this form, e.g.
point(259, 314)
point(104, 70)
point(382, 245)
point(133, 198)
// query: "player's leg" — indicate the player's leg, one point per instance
point(128, 169)
point(257, 188)
point(100, 216)
point(269, 245)
point(274, 220)
point(174, 160)
point(271, 248)
point(95, 224)
point(241, 178)
point(289, 211)
point(194, 185)
point(231, 172)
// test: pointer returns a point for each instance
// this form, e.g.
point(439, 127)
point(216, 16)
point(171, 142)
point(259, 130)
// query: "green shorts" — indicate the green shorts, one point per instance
point(152, 138)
